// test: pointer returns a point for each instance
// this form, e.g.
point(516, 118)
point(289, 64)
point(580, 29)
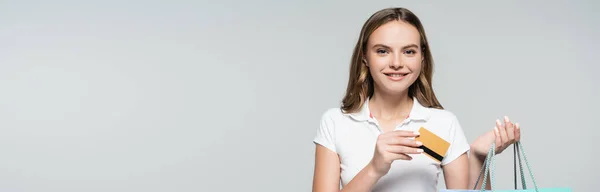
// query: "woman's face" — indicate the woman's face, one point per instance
point(394, 57)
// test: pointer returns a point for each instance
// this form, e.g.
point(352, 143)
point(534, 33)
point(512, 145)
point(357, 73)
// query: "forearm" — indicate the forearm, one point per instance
point(363, 181)
point(475, 165)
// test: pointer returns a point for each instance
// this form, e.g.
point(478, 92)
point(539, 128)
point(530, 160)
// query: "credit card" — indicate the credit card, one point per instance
point(433, 145)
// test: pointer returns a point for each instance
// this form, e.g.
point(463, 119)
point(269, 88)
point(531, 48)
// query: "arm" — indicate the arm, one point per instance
point(364, 180)
point(463, 172)
point(475, 164)
point(503, 136)
point(469, 166)
point(327, 170)
point(389, 147)
point(327, 174)
point(458, 164)
point(456, 173)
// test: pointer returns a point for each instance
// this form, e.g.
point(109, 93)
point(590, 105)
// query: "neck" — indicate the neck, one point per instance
point(389, 106)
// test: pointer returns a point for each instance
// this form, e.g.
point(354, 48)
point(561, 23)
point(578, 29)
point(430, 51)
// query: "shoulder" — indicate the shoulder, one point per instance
point(443, 122)
point(446, 125)
point(336, 117)
point(334, 113)
point(326, 133)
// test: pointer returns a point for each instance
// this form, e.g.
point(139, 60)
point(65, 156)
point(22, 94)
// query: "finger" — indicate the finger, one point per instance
point(403, 133)
point(517, 132)
point(403, 142)
point(403, 149)
point(498, 138)
point(503, 135)
point(510, 130)
point(400, 156)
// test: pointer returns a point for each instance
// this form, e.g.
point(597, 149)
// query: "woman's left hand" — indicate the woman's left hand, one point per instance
point(503, 134)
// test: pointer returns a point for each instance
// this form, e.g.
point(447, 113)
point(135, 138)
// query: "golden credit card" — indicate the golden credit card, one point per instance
point(433, 145)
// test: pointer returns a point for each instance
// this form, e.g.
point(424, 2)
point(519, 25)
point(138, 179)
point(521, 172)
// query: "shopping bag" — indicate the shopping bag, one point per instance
point(489, 167)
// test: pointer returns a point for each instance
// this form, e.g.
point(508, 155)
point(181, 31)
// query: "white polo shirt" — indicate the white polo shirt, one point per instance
point(353, 137)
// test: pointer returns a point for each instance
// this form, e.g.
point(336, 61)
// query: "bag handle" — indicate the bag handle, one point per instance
point(522, 151)
point(489, 166)
point(516, 155)
point(483, 168)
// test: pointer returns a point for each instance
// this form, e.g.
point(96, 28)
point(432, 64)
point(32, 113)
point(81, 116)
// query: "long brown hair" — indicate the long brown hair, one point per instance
point(360, 83)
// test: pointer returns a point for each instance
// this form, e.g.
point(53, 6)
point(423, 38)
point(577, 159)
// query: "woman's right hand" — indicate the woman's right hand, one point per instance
point(392, 146)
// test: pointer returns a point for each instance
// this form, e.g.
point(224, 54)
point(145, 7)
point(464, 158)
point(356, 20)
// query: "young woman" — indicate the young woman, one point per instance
point(368, 143)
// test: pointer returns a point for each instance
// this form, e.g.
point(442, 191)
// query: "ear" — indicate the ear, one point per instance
point(364, 61)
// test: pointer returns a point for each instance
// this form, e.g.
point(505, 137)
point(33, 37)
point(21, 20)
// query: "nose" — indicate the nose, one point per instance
point(396, 62)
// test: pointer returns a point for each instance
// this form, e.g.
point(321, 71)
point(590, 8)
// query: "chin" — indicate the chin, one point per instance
point(397, 90)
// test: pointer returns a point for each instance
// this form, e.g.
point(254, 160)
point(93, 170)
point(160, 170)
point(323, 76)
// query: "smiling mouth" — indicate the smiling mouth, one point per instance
point(396, 74)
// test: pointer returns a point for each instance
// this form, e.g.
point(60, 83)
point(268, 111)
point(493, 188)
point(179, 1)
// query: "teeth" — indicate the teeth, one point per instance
point(396, 75)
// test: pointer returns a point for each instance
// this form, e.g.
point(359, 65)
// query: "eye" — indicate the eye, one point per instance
point(410, 52)
point(381, 51)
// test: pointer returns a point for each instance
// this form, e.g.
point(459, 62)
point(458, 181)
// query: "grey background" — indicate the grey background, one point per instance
point(227, 95)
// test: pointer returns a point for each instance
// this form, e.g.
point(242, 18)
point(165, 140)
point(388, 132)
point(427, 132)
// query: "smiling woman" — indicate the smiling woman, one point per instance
point(368, 144)
point(384, 64)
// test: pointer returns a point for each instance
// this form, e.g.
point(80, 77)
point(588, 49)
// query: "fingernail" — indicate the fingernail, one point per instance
point(498, 122)
point(417, 133)
point(496, 130)
point(419, 143)
point(517, 125)
point(506, 119)
point(420, 150)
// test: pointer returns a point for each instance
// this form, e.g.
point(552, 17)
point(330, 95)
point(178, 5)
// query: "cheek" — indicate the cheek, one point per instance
point(414, 64)
point(379, 63)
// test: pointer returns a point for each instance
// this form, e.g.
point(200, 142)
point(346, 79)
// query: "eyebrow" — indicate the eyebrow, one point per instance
point(405, 47)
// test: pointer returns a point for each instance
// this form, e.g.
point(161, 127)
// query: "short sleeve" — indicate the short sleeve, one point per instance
point(458, 142)
point(325, 132)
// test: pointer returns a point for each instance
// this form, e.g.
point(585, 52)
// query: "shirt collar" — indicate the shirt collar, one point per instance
point(418, 112)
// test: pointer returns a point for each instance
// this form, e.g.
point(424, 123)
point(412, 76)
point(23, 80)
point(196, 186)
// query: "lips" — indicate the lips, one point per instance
point(396, 76)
